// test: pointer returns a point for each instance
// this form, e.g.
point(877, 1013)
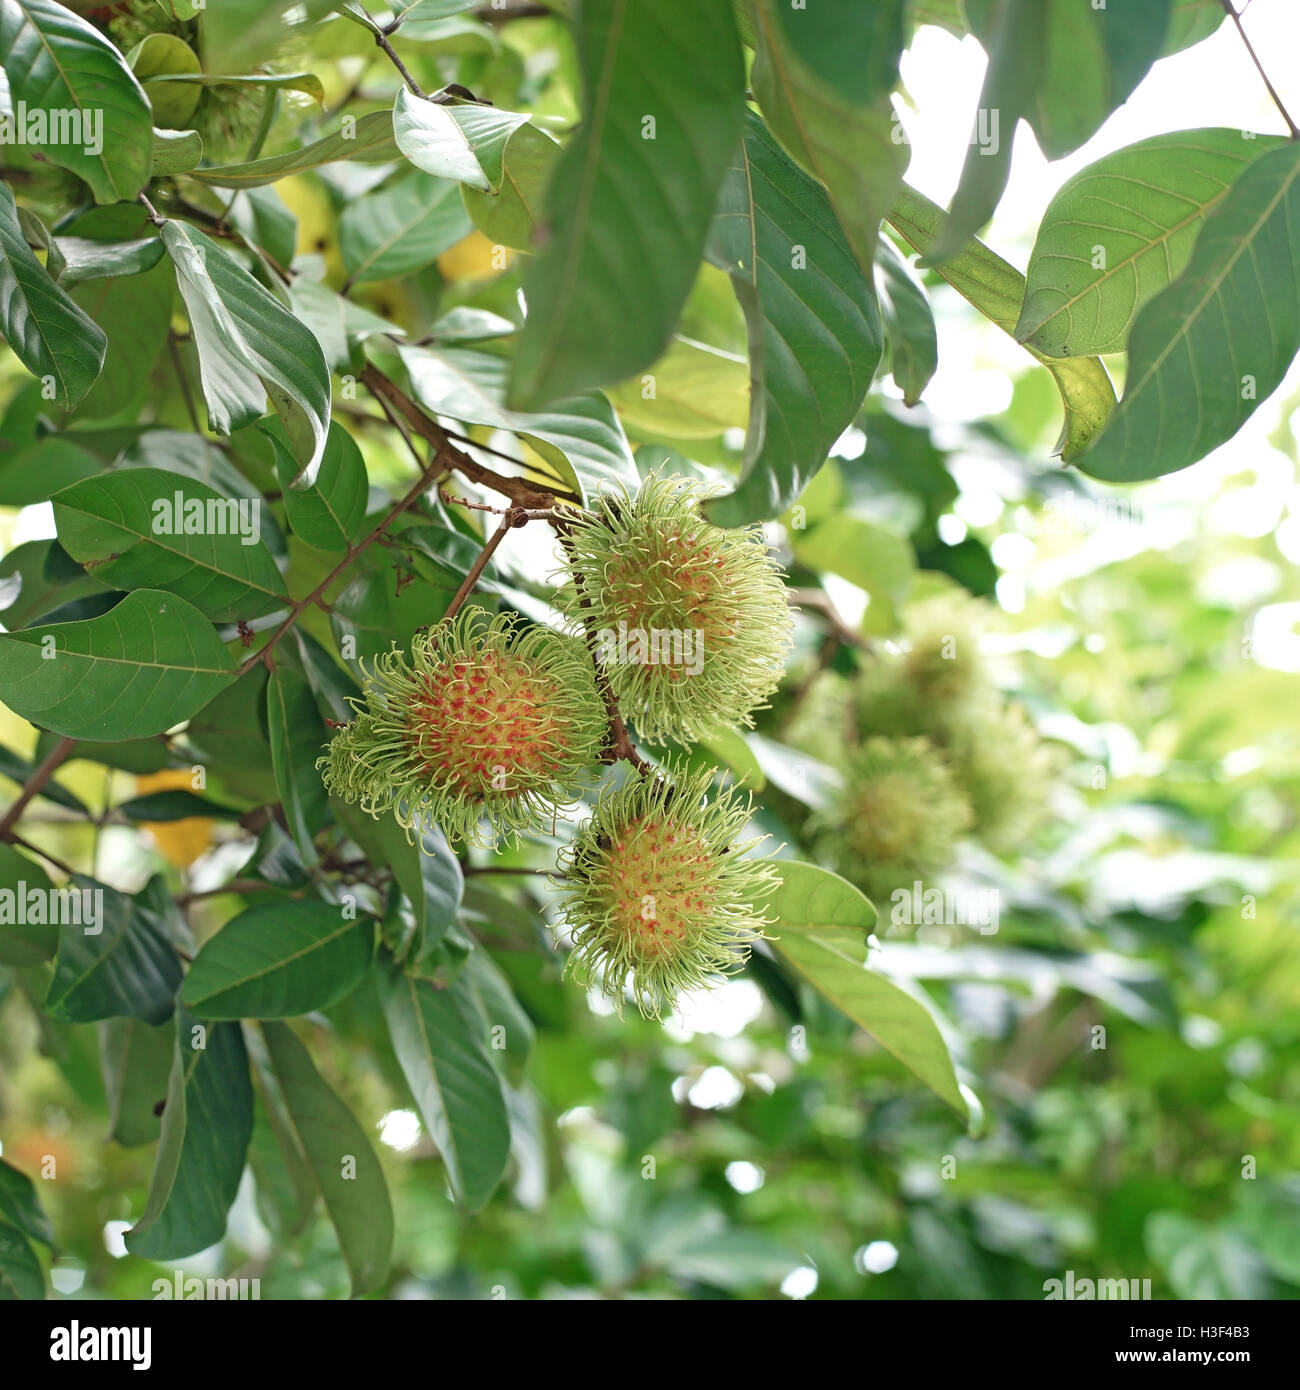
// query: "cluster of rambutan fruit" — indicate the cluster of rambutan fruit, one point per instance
point(491, 727)
point(929, 750)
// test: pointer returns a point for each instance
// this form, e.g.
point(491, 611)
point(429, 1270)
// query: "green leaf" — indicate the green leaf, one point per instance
point(130, 528)
point(330, 514)
point(821, 927)
point(20, 1207)
point(84, 259)
point(24, 942)
point(206, 1125)
point(20, 1270)
point(1014, 35)
point(504, 1023)
point(279, 960)
point(511, 215)
point(135, 311)
point(909, 324)
point(298, 738)
point(368, 141)
point(1190, 21)
point(1206, 350)
point(401, 229)
point(852, 47)
point(136, 1061)
point(49, 334)
point(852, 147)
point(455, 1085)
point(580, 437)
point(1063, 67)
point(250, 347)
point(120, 965)
point(428, 873)
point(464, 143)
point(175, 152)
point(814, 329)
point(1119, 231)
point(872, 556)
point(341, 1157)
point(57, 62)
point(239, 34)
point(170, 806)
point(1093, 60)
point(163, 55)
point(337, 323)
point(997, 290)
point(146, 665)
point(693, 391)
point(305, 82)
point(627, 215)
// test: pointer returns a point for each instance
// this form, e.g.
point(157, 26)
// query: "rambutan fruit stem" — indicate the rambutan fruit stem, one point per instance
point(520, 492)
point(515, 516)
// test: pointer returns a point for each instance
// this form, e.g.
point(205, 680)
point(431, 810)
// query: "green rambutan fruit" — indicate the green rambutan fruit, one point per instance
point(486, 721)
point(690, 619)
point(898, 818)
point(1005, 769)
point(658, 894)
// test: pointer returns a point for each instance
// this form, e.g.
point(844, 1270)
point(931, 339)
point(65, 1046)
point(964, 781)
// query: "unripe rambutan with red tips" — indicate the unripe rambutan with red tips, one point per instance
point(486, 721)
point(658, 894)
point(691, 620)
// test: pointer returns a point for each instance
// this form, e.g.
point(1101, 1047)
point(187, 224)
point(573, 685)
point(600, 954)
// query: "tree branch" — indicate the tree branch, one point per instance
point(1231, 10)
point(35, 784)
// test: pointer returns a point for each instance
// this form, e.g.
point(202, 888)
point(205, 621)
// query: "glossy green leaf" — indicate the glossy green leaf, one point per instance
point(814, 328)
point(250, 348)
point(20, 1271)
point(130, 529)
point(852, 147)
point(298, 737)
point(136, 1061)
point(1206, 350)
point(428, 873)
point(401, 229)
point(692, 392)
point(909, 324)
point(57, 62)
point(1119, 231)
point(279, 960)
point(456, 1088)
point(24, 940)
point(580, 438)
point(141, 668)
point(20, 1206)
point(116, 963)
point(997, 290)
point(176, 152)
point(330, 514)
point(511, 215)
point(629, 204)
point(341, 1158)
point(368, 140)
point(206, 1125)
point(84, 259)
point(464, 143)
point(135, 312)
point(821, 927)
point(48, 333)
point(163, 55)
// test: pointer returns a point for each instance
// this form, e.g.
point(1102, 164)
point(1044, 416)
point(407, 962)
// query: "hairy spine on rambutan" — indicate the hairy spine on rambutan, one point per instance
point(485, 730)
point(658, 895)
point(691, 620)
